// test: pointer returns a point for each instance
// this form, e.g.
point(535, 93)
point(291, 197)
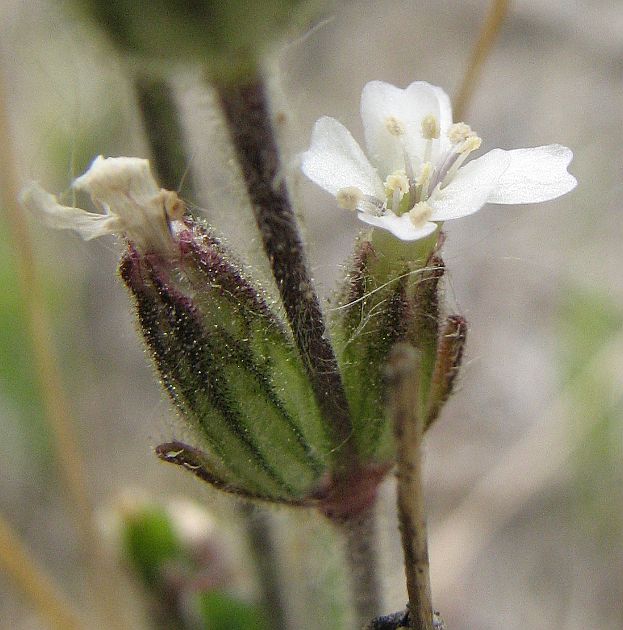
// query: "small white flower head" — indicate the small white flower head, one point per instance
point(415, 174)
point(130, 201)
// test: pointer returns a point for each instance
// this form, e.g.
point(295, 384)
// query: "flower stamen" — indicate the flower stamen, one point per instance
point(420, 214)
point(471, 143)
point(395, 126)
point(423, 181)
point(459, 132)
point(430, 132)
point(174, 207)
point(396, 186)
point(349, 198)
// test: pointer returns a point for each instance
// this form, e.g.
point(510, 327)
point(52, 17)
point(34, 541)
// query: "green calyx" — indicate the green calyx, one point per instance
point(234, 373)
point(368, 320)
point(392, 295)
point(230, 369)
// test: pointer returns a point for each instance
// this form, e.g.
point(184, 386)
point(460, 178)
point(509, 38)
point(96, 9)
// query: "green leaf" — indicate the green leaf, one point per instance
point(220, 611)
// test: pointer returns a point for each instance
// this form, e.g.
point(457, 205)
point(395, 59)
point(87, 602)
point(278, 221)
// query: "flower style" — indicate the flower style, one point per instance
point(124, 189)
point(416, 176)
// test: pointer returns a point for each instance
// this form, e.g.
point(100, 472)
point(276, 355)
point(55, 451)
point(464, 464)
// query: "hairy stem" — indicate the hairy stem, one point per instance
point(409, 429)
point(260, 533)
point(248, 117)
point(162, 124)
point(163, 130)
point(362, 560)
point(482, 49)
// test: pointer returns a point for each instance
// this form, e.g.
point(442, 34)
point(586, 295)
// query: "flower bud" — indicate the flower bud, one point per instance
point(225, 358)
point(369, 319)
point(230, 369)
point(181, 559)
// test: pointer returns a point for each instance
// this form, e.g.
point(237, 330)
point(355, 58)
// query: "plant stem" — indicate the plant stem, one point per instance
point(163, 129)
point(248, 117)
point(409, 429)
point(20, 566)
point(362, 560)
point(260, 533)
point(484, 45)
point(56, 406)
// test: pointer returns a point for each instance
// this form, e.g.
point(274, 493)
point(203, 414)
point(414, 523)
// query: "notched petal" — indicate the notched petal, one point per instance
point(382, 101)
point(471, 187)
point(534, 175)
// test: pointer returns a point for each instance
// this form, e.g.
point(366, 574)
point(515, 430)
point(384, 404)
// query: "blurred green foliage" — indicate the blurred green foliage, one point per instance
point(220, 611)
point(104, 134)
point(172, 573)
point(226, 37)
point(590, 322)
point(149, 543)
point(19, 383)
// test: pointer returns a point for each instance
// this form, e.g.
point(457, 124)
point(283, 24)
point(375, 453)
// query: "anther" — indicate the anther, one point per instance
point(349, 198)
point(395, 126)
point(430, 127)
point(398, 180)
point(459, 132)
point(173, 205)
point(420, 214)
point(471, 144)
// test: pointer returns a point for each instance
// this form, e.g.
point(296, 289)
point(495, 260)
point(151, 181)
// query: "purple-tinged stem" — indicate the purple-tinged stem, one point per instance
point(408, 424)
point(248, 116)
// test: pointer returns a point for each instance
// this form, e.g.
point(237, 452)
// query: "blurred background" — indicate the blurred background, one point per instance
point(524, 470)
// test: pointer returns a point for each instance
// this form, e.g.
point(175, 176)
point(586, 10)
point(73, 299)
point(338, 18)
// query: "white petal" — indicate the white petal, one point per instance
point(400, 226)
point(49, 211)
point(107, 176)
point(534, 175)
point(334, 160)
point(445, 119)
point(471, 187)
point(125, 187)
point(380, 101)
point(445, 108)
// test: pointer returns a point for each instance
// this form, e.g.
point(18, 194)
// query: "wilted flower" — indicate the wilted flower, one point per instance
point(223, 355)
point(416, 176)
point(126, 192)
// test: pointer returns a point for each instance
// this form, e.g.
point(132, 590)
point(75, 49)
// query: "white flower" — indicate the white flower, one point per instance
point(416, 176)
point(131, 202)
